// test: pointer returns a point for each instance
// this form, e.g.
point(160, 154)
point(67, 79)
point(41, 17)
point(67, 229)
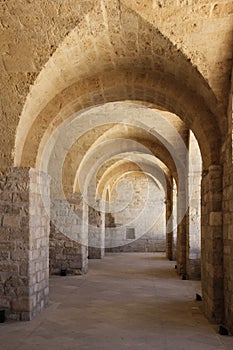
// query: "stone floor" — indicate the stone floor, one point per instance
point(126, 301)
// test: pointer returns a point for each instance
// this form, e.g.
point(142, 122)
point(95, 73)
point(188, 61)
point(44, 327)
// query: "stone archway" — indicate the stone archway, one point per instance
point(142, 73)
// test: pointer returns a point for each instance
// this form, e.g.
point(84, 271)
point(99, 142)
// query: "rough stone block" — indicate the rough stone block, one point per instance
point(13, 221)
point(21, 304)
point(215, 219)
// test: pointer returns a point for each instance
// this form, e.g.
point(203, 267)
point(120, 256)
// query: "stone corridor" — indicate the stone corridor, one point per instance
point(116, 136)
point(126, 301)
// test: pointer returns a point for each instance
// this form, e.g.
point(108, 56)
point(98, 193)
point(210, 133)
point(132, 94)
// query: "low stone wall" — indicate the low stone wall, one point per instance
point(66, 223)
point(95, 234)
point(24, 234)
point(145, 244)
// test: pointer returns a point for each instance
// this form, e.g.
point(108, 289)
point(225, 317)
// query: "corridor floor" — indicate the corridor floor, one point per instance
point(126, 301)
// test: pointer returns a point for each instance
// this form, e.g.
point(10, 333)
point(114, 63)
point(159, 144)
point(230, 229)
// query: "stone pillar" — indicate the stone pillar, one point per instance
point(169, 231)
point(96, 234)
point(24, 242)
point(193, 222)
point(174, 220)
point(228, 243)
point(181, 234)
point(212, 243)
point(227, 161)
point(68, 250)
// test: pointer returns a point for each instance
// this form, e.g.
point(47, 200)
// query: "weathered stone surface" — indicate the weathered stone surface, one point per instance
point(138, 205)
point(96, 234)
point(193, 222)
point(66, 222)
point(62, 59)
point(23, 254)
point(215, 218)
point(212, 247)
point(227, 157)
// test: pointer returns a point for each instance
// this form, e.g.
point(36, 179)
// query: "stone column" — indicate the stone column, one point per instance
point(227, 161)
point(24, 242)
point(169, 231)
point(193, 222)
point(174, 220)
point(181, 234)
point(228, 237)
point(212, 243)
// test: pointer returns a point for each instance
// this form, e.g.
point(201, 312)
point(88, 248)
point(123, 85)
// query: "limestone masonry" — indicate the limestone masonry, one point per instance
point(115, 136)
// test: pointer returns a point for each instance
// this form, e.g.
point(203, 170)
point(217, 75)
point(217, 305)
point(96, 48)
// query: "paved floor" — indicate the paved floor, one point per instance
point(127, 301)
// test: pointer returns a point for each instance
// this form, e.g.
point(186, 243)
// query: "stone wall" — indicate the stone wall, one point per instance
point(24, 234)
point(147, 244)
point(66, 248)
point(138, 205)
